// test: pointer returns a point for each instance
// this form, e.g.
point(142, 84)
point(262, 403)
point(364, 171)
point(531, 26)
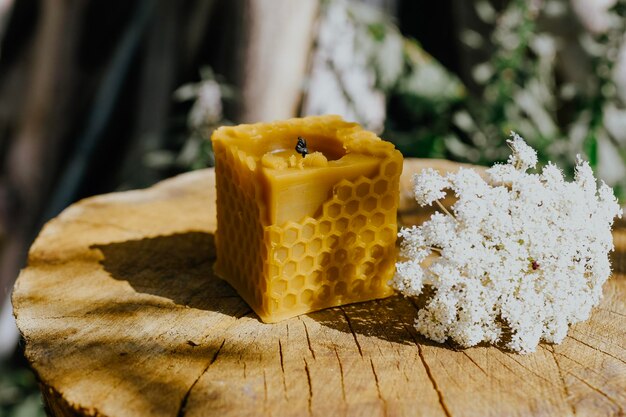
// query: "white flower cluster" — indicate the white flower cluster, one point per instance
point(518, 259)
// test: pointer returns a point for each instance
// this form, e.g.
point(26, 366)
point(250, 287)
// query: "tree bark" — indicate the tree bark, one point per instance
point(275, 45)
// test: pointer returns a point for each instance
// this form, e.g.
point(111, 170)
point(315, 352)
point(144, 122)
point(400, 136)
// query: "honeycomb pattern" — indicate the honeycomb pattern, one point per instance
point(238, 215)
point(345, 254)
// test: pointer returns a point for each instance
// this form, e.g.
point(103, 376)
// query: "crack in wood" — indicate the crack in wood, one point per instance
point(66, 317)
point(606, 340)
point(444, 407)
point(282, 368)
point(308, 339)
point(442, 403)
point(562, 378)
point(510, 356)
point(598, 349)
point(343, 385)
point(505, 365)
point(474, 362)
point(183, 403)
point(308, 378)
point(380, 395)
point(356, 341)
point(514, 372)
point(268, 410)
point(403, 371)
point(612, 311)
point(581, 364)
point(599, 391)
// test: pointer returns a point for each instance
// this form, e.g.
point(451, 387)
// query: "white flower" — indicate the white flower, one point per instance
point(552, 176)
point(523, 156)
point(429, 186)
point(584, 177)
point(517, 261)
point(468, 181)
point(410, 278)
point(503, 174)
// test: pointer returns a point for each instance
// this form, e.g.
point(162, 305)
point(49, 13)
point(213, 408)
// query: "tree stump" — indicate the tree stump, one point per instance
point(122, 316)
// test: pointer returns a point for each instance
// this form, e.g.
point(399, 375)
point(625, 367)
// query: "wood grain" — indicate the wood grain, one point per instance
point(122, 316)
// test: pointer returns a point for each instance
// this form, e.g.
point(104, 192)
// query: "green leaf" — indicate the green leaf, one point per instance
point(377, 30)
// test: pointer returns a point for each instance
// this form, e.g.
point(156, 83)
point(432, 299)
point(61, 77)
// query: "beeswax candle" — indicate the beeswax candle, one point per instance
point(302, 233)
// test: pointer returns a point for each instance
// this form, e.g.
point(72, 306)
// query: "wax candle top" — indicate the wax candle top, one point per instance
point(282, 160)
point(336, 147)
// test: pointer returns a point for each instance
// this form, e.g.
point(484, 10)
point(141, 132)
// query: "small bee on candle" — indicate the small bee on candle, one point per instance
point(301, 147)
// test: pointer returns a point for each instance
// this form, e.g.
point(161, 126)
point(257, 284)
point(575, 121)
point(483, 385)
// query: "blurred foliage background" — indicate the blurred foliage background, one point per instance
point(109, 95)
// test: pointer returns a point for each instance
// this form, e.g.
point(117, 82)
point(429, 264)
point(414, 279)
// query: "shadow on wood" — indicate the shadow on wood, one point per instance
point(178, 267)
point(389, 319)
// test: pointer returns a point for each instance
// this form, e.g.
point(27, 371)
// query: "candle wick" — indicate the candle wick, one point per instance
point(301, 147)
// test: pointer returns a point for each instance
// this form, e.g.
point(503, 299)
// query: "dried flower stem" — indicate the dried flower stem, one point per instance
point(445, 210)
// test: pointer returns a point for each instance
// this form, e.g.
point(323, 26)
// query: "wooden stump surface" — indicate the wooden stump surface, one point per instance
point(122, 316)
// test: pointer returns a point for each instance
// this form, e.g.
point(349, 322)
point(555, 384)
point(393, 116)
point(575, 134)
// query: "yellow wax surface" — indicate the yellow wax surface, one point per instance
point(297, 234)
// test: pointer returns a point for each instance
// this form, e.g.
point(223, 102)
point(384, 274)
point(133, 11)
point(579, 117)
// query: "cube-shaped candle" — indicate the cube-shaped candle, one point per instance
point(302, 232)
